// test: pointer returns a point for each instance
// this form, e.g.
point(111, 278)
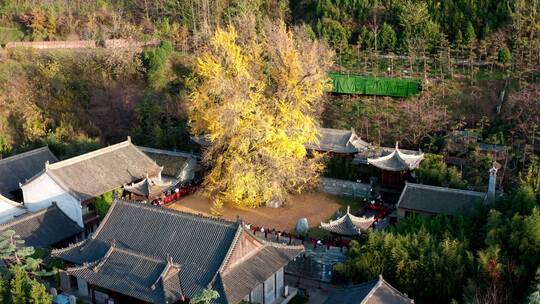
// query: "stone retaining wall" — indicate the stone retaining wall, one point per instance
point(344, 188)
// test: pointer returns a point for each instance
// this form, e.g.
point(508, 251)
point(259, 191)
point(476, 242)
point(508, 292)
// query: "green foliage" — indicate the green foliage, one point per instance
point(388, 38)
point(333, 32)
point(477, 257)
point(470, 34)
point(207, 296)
point(24, 289)
point(534, 297)
point(341, 168)
point(10, 34)
point(20, 285)
point(418, 263)
point(38, 293)
point(155, 60)
point(504, 56)
point(104, 202)
point(434, 171)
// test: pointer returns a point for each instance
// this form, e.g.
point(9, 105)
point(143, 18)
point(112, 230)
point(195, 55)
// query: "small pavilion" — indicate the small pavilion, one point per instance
point(147, 189)
point(348, 225)
point(396, 166)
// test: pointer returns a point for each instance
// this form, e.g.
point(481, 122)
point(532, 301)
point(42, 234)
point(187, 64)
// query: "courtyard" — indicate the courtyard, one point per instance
point(316, 207)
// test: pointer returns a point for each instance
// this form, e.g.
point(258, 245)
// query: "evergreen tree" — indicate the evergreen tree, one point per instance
point(504, 57)
point(388, 37)
point(20, 285)
point(470, 34)
point(38, 294)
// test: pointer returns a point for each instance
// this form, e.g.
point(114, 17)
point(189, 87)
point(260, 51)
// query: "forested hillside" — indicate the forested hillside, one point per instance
point(478, 62)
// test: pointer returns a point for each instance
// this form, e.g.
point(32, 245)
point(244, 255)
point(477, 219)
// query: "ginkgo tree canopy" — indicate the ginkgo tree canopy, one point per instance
point(255, 99)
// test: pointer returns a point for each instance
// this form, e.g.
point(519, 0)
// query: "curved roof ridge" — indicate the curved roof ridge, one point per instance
point(104, 258)
point(405, 161)
point(281, 245)
point(164, 275)
point(71, 246)
point(6, 200)
point(392, 288)
point(226, 259)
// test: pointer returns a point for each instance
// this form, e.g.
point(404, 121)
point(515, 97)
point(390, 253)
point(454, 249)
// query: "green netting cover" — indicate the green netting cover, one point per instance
point(381, 86)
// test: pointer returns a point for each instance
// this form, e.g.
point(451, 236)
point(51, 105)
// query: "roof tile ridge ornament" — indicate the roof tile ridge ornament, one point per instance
point(105, 257)
point(392, 288)
point(55, 252)
point(169, 264)
point(228, 255)
point(374, 288)
point(267, 243)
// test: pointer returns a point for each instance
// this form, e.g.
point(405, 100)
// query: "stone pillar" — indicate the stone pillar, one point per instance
point(65, 282)
point(492, 185)
point(82, 286)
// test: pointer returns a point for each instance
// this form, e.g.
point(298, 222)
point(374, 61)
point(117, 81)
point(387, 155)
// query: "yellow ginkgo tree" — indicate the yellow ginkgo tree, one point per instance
point(255, 101)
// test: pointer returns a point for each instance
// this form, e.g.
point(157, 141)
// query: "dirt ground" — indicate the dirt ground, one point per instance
point(316, 207)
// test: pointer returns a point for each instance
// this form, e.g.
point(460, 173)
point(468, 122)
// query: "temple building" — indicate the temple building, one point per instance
point(73, 184)
point(338, 142)
point(147, 189)
point(377, 291)
point(15, 170)
point(348, 225)
point(146, 254)
point(49, 227)
point(396, 166)
point(178, 167)
point(432, 200)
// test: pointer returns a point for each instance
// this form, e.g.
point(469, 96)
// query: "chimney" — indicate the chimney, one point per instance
point(492, 184)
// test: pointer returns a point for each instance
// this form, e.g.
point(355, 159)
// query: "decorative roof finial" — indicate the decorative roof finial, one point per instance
point(129, 139)
point(47, 164)
point(348, 209)
point(397, 145)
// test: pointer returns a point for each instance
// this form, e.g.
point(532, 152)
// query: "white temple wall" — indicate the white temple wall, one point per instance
point(270, 290)
point(41, 192)
point(8, 211)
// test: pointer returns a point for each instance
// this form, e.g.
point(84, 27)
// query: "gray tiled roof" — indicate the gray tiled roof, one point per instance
point(243, 278)
point(143, 277)
point(200, 245)
point(43, 228)
point(348, 224)
point(438, 200)
point(338, 141)
point(18, 168)
point(377, 291)
point(173, 162)
point(397, 161)
point(92, 174)
point(148, 188)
